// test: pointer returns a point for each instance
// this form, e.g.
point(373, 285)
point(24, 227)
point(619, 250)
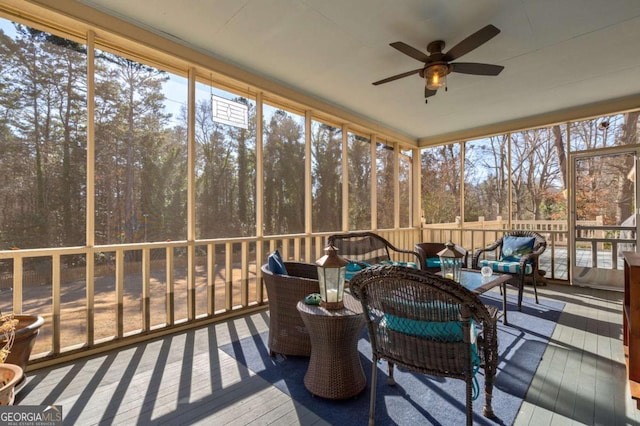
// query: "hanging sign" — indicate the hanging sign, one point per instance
point(229, 112)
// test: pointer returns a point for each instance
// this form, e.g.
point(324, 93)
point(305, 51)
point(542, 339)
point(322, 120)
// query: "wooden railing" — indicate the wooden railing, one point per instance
point(556, 230)
point(97, 298)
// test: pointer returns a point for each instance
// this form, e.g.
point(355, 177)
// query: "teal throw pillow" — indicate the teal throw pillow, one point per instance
point(353, 268)
point(276, 264)
point(513, 248)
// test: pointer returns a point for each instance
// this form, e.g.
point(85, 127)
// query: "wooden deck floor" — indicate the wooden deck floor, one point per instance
point(185, 379)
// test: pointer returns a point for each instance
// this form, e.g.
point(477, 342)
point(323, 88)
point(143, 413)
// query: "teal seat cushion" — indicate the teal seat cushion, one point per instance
point(508, 267)
point(432, 262)
point(513, 248)
point(276, 264)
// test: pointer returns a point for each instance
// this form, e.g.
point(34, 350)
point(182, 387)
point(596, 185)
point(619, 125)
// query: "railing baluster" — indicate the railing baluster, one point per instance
point(211, 273)
point(170, 291)
point(191, 282)
point(90, 291)
point(17, 284)
point(244, 277)
point(55, 298)
point(146, 289)
point(120, 291)
point(228, 276)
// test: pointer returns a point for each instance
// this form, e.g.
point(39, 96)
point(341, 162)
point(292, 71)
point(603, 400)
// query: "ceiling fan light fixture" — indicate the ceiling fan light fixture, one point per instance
point(435, 76)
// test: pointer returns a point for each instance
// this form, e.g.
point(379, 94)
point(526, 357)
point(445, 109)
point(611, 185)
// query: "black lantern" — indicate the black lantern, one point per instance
point(451, 262)
point(331, 271)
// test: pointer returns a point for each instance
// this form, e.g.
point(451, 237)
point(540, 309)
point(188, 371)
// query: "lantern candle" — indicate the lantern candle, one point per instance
point(331, 273)
point(450, 262)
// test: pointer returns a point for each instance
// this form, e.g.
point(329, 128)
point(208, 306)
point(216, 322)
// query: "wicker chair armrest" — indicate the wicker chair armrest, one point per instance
point(532, 258)
point(491, 247)
point(302, 270)
point(538, 251)
point(415, 254)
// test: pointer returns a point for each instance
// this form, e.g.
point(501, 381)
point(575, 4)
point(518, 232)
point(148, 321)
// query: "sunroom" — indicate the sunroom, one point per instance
point(154, 154)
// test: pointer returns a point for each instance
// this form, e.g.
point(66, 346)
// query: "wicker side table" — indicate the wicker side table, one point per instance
point(334, 369)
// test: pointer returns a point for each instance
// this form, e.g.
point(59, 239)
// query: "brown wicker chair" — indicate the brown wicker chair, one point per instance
point(370, 248)
point(421, 321)
point(431, 250)
point(519, 270)
point(287, 333)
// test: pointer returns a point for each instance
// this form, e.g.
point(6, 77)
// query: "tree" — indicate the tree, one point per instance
point(283, 175)
point(326, 150)
point(385, 187)
point(441, 183)
point(43, 82)
point(138, 163)
point(486, 178)
point(359, 160)
point(535, 174)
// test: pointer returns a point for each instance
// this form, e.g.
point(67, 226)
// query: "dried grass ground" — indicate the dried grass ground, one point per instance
point(37, 300)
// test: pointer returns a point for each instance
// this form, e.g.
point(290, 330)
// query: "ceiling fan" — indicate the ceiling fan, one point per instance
point(437, 65)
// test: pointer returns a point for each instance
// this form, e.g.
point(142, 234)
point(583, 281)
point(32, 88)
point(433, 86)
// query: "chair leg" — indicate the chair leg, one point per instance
point(469, 402)
point(503, 292)
point(392, 381)
point(520, 293)
point(535, 287)
point(491, 362)
point(372, 401)
point(487, 410)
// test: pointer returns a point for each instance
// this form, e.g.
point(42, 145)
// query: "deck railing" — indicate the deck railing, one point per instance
point(96, 298)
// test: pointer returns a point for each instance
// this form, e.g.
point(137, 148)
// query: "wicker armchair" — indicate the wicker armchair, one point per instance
point(370, 247)
point(431, 250)
point(422, 322)
point(527, 266)
point(287, 333)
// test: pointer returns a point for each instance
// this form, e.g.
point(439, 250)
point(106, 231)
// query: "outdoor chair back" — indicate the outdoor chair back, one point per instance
point(370, 248)
point(287, 333)
point(425, 323)
point(428, 253)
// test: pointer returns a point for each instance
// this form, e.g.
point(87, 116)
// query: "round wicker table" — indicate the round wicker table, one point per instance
point(334, 369)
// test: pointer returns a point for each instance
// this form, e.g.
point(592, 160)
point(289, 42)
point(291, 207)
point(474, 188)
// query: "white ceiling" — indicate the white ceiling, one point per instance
point(557, 54)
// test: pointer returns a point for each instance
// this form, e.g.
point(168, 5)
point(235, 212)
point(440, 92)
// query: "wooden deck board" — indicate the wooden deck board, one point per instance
point(186, 379)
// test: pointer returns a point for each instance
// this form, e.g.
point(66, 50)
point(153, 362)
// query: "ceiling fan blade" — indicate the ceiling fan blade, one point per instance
point(472, 42)
point(396, 77)
point(429, 93)
point(410, 51)
point(476, 69)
